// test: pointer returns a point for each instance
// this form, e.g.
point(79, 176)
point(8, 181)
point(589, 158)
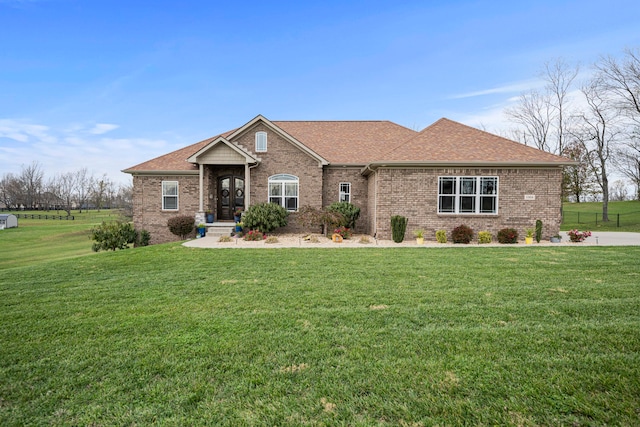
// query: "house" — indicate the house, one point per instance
point(443, 176)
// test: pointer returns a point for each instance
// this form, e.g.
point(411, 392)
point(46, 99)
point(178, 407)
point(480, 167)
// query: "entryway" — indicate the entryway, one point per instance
point(230, 196)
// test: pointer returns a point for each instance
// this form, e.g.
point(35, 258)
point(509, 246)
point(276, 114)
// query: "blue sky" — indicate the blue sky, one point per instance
point(107, 84)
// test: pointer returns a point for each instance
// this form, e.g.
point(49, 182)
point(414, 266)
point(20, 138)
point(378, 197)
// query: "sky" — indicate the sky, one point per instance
point(108, 84)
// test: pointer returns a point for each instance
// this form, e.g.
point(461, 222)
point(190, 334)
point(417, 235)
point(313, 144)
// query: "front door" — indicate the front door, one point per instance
point(230, 196)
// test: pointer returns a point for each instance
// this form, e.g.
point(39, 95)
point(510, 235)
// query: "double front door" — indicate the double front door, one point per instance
point(230, 196)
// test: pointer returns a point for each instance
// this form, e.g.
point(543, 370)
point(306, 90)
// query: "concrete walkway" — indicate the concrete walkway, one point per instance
point(600, 238)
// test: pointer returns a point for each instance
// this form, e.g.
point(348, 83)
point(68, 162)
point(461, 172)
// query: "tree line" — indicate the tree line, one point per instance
point(595, 121)
point(65, 191)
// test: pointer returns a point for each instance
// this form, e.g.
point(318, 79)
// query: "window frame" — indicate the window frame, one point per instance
point(342, 193)
point(466, 194)
point(280, 181)
point(166, 196)
point(261, 137)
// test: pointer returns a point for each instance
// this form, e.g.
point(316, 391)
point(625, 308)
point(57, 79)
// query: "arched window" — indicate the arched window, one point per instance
point(261, 142)
point(283, 190)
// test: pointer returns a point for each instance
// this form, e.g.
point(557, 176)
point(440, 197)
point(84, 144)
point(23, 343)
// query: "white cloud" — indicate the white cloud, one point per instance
point(72, 147)
point(517, 87)
point(101, 128)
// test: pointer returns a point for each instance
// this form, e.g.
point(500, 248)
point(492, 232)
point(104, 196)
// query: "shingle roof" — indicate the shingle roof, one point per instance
point(449, 141)
point(365, 142)
point(347, 142)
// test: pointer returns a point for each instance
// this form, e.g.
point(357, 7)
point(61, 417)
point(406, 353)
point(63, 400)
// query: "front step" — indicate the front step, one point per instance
point(219, 229)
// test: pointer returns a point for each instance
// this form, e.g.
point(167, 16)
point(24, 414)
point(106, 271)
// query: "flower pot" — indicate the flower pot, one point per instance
point(210, 218)
point(528, 240)
point(238, 228)
point(202, 231)
point(420, 240)
point(556, 239)
point(336, 238)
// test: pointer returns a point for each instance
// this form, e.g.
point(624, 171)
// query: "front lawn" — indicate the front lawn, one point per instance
point(448, 336)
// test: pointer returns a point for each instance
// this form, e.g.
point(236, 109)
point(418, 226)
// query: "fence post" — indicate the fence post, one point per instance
point(618, 221)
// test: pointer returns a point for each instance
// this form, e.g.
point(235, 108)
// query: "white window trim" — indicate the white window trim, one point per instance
point(283, 179)
point(177, 196)
point(341, 193)
point(457, 194)
point(259, 148)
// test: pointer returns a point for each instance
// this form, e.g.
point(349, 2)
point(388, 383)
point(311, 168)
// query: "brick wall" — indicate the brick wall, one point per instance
point(413, 193)
point(283, 157)
point(147, 204)
point(333, 176)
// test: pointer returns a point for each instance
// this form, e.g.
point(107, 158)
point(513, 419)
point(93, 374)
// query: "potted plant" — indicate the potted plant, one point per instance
point(556, 238)
point(529, 237)
point(210, 217)
point(201, 230)
point(237, 215)
point(238, 227)
point(419, 234)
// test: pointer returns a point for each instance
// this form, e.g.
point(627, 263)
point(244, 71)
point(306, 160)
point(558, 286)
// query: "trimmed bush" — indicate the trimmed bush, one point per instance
point(441, 236)
point(110, 236)
point(398, 228)
point(143, 238)
point(462, 234)
point(484, 237)
point(538, 230)
point(508, 235)
point(349, 211)
point(265, 217)
point(181, 225)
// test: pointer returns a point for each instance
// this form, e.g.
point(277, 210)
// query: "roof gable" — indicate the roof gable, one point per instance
point(447, 141)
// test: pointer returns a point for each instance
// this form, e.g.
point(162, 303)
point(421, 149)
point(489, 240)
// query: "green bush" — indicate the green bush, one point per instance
point(441, 236)
point(181, 225)
point(538, 230)
point(143, 238)
point(508, 235)
point(110, 236)
point(398, 228)
point(462, 234)
point(484, 237)
point(349, 211)
point(265, 217)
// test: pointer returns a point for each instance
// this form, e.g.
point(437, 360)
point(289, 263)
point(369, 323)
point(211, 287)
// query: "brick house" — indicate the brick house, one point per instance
point(443, 176)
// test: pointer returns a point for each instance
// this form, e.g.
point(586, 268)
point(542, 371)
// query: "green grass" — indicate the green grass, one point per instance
point(449, 336)
point(40, 240)
point(583, 216)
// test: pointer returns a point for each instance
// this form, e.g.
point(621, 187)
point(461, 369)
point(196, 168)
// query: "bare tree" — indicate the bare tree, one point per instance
point(102, 191)
point(622, 79)
point(560, 77)
point(84, 187)
point(10, 190)
point(597, 132)
point(31, 180)
point(533, 114)
point(618, 191)
point(64, 186)
point(627, 160)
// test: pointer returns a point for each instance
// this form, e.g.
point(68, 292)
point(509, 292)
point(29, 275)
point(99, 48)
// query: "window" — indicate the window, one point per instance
point(170, 195)
point(345, 192)
point(283, 190)
point(261, 142)
point(468, 194)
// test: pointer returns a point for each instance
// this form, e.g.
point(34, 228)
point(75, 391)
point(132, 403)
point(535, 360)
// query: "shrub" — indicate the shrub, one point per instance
point(271, 239)
point(110, 236)
point(578, 236)
point(462, 234)
point(254, 235)
point(484, 237)
point(225, 239)
point(143, 238)
point(538, 230)
point(310, 217)
point(508, 235)
point(181, 225)
point(344, 232)
point(349, 212)
point(265, 217)
point(441, 236)
point(364, 240)
point(398, 228)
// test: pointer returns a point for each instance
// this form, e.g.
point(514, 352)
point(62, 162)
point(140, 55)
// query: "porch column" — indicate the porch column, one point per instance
point(247, 186)
point(201, 188)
